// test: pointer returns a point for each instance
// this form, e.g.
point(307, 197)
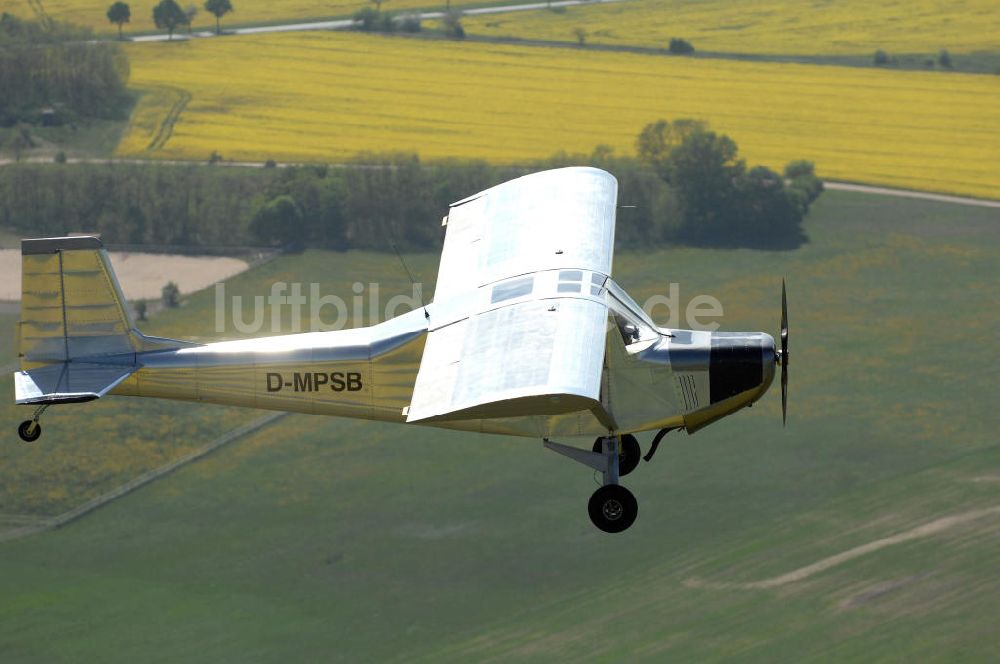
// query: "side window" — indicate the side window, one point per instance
point(570, 281)
point(512, 289)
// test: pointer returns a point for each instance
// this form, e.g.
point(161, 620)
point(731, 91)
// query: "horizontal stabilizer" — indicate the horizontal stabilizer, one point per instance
point(68, 382)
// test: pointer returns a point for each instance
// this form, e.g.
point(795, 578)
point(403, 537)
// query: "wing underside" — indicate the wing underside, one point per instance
point(536, 357)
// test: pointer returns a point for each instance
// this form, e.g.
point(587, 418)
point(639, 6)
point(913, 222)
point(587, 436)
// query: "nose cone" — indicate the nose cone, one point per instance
point(770, 360)
point(740, 362)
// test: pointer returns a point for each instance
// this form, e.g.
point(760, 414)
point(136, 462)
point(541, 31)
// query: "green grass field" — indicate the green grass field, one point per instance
point(95, 447)
point(322, 539)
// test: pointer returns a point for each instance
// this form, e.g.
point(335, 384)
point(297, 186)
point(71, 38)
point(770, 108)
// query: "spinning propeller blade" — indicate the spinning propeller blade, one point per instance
point(784, 354)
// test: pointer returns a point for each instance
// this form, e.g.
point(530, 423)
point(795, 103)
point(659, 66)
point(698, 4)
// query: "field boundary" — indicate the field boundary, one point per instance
point(347, 22)
point(910, 193)
point(833, 185)
point(50, 523)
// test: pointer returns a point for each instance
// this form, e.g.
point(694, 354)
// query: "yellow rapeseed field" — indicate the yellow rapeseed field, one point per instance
point(329, 96)
point(786, 27)
point(93, 13)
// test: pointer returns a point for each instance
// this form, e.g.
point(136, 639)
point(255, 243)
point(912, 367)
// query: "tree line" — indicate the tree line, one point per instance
point(687, 187)
point(54, 68)
point(721, 201)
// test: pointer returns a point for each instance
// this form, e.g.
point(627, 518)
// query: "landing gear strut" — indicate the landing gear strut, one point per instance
point(629, 453)
point(31, 430)
point(612, 508)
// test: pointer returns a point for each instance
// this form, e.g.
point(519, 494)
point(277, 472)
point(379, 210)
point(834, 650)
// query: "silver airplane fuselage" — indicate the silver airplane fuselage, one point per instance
point(679, 378)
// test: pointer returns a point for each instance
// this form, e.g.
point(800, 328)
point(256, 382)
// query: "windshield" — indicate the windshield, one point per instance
point(633, 323)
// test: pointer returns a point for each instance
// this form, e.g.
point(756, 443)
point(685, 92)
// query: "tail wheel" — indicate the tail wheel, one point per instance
point(29, 431)
point(613, 508)
point(629, 453)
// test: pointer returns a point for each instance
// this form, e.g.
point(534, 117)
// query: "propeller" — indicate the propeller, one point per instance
point(783, 355)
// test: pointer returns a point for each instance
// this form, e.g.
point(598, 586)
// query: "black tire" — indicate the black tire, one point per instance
point(613, 508)
point(23, 429)
point(628, 455)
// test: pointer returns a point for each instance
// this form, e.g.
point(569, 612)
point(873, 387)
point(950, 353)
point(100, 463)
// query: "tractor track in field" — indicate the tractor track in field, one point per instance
point(40, 13)
point(166, 129)
point(26, 526)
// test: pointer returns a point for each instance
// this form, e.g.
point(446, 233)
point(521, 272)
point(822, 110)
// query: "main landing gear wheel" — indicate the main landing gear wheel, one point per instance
point(29, 431)
point(629, 453)
point(613, 508)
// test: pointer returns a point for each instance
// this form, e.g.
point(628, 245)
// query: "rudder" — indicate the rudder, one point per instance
point(71, 304)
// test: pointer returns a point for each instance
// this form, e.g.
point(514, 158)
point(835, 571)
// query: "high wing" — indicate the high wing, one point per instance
point(558, 219)
point(519, 317)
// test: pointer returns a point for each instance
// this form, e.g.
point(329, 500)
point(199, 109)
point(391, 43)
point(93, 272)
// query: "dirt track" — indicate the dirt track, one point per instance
point(926, 530)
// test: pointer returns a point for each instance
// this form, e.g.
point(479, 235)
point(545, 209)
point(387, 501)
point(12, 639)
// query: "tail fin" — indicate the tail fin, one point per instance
point(77, 336)
point(71, 305)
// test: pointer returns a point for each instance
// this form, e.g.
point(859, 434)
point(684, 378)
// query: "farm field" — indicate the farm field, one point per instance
point(324, 539)
point(90, 449)
point(8, 338)
point(767, 27)
point(142, 275)
point(91, 13)
point(327, 97)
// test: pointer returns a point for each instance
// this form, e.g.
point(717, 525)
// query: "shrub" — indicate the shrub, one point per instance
point(799, 167)
point(367, 19)
point(410, 23)
point(453, 25)
point(944, 58)
point(802, 181)
point(881, 58)
point(680, 46)
point(60, 157)
point(171, 295)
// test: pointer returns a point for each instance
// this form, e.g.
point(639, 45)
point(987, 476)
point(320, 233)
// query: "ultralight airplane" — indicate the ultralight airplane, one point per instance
point(527, 335)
